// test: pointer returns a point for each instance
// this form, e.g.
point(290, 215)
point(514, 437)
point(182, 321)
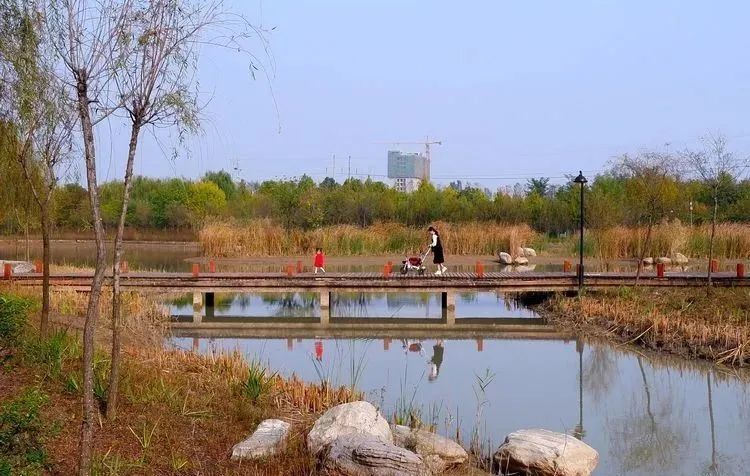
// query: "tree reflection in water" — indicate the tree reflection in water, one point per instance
point(651, 437)
point(600, 372)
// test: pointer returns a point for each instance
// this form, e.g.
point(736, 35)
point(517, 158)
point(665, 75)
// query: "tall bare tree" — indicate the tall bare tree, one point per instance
point(712, 165)
point(85, 36)
point(157, 83)
point(651, 187)
point(41, 113)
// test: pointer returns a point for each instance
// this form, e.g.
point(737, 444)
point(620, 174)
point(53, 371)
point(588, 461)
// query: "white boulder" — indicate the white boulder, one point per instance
point(545, 453)
point(680, 259)
point(366, 455)
point(348, 419)
point(521, 260)
point(663, 260)
point(529, 252)
point(505, 258)
point(438, 452)
point(648, 261)
point(267, 440)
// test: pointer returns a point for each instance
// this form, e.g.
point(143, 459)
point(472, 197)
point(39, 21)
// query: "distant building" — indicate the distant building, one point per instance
point(407, 170)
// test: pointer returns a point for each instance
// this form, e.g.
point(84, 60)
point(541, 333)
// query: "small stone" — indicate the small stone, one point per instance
point(505, 258)
point(366, 455)
point(545, 453)
point(529, 252)
point(663, 260)
point(648, 261)
point(268, 439)
point(521, 260)
point(438, 452)
point(348, 419)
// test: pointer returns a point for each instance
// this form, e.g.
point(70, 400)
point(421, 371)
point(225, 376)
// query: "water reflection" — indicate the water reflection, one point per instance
point(644, 414)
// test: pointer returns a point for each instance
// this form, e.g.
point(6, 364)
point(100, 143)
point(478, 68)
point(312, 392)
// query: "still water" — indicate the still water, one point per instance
point(645, 414)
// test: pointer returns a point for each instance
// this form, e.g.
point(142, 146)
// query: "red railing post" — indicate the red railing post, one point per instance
point(38, 267)
point(124, 267)
point(480, 269)
point(386, 270)
point(299, 266)
point(566, 266)
point(211, 266)
point(7, 271)
point(659, 270)
point(290, 270)
point(196, 270)
point(740, 270)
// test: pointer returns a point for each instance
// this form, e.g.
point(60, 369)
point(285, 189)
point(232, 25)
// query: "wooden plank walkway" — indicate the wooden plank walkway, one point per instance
point(259, 282)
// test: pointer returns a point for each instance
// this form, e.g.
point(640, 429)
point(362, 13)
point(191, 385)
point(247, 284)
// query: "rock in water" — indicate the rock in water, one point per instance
point(521, 260)
point(545, 453)
point(680, 259)
point(439, 453)
point(505, 258)
point(529, 252)
point(366, 455)
point(268, 439)
point(348, 419)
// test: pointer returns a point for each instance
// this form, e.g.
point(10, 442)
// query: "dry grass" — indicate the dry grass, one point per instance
point(681, 321)
point(732, 241)
point(266, 238)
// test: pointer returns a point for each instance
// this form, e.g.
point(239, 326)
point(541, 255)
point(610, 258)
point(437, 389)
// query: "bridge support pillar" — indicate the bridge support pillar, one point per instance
point(210, 298)
point(325, 307)
point(448, 300)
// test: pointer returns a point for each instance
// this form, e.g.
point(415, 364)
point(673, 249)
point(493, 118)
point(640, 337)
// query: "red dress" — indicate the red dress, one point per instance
point(319, 260)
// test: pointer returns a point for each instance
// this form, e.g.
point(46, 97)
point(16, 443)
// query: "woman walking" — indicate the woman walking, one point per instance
point(437, 251)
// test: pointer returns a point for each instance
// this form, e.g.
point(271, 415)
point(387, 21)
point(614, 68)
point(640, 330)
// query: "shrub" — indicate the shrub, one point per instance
point(13, 314)
point(21, 434)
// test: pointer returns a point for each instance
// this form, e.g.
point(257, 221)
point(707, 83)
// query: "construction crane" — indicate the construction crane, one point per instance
point(427, 143)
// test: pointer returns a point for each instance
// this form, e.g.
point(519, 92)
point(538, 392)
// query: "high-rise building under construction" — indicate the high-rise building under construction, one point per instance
point(407, 170)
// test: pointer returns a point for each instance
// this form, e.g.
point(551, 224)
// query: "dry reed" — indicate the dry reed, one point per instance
point(732, 241)
point(266, 238)
point(714, 327)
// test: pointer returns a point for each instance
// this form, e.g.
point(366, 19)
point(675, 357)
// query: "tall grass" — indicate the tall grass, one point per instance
point(732, 241)
point(266, 238)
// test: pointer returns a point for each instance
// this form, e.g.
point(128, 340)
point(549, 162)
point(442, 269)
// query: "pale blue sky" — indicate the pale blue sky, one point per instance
point(513, 89)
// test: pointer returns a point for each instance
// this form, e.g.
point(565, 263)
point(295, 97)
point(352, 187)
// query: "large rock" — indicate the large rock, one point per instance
point(505, 258)
point(366, 455)
point(545, 453)
point(18, 267)
point(663, 260)
point(680, 259)
point(268, 439)
point(348, 419)
point(648, 261)
point(521, 260)
point(439, 453)
point(529, 252)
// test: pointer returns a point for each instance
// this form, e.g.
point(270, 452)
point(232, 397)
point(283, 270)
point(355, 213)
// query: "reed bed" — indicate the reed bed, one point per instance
point(267, 238)
point(713, 326)
point(732, 241)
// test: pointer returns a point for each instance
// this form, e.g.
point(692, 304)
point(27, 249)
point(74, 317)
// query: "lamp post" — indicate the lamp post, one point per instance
point(582, 181)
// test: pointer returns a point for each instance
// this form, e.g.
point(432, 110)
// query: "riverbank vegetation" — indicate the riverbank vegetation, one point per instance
point(180, 412)
point(696, 324)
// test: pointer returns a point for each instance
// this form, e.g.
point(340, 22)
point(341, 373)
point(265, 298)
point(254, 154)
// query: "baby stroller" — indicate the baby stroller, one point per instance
point(415, 263)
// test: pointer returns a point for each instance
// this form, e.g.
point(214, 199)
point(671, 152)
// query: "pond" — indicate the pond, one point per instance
point(644, 414)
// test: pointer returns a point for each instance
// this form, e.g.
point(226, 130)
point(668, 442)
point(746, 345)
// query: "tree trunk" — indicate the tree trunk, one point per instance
point(643, 251)
point(44, 321)
point(711, 240)
point(92, 312)
point(114, 374)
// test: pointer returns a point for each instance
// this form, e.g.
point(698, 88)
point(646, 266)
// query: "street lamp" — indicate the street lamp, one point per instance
point(580, 180)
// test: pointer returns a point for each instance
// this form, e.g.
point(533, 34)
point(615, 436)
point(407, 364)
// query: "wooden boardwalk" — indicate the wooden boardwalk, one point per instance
point(376, 282)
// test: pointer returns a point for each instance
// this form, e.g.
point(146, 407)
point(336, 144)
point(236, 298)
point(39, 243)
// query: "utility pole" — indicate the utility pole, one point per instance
point(334, 168)
point(350, 166)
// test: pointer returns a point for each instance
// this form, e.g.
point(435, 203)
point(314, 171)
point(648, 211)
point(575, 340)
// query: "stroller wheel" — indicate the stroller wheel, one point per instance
point(404, 270)
point(421, 271)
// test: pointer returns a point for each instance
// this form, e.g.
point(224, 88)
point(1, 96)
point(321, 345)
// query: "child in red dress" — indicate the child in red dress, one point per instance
point(319, 260)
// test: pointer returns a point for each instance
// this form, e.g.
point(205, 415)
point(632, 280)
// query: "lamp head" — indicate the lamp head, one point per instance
point(580, 179)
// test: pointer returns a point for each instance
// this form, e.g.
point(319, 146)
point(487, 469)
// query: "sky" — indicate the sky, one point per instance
point(513, 90)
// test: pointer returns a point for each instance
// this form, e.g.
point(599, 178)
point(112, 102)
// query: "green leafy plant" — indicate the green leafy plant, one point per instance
point(257, 383)
point(22, 433)
point(13, 315)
